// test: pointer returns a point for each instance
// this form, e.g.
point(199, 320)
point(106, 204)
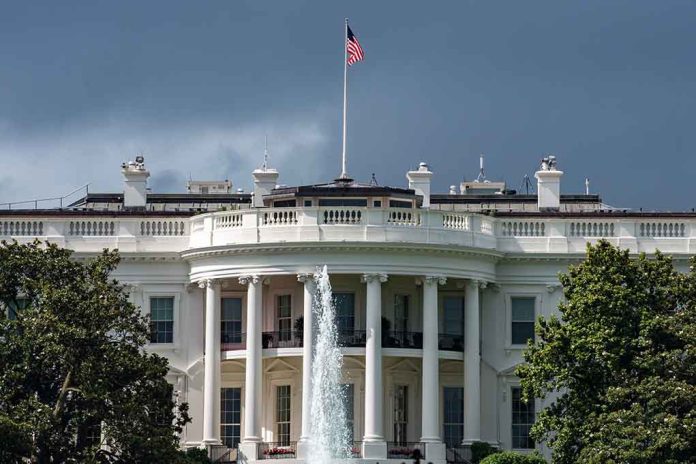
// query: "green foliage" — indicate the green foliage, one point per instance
point(511, 457)
point(620, 365)
point(74, 358)
point(194, 456)
point(480, 450)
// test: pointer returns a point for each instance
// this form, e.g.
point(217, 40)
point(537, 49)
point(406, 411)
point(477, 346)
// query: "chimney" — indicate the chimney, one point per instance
point(548, 185)
point(420, 182)
point(264, 182)
point(135, 183)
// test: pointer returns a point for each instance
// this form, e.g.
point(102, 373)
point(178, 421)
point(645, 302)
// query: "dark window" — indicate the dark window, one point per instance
point(454, 416)
point(348, 398)
point(345, 312)
point(522, 420)
point(453, 317)
point(308, 203)
point(230, 416)
point(284, 314)
point(283, 414)
point(231, 320)
point(377, 203)
point(401, 313)
point(15, 306)
point(401, 414)
point(522, 312)
point(284, 204)
point(162, 319)
point(400, 204)
point(342, 202)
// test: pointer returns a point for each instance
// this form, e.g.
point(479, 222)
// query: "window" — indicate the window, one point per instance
point(522, 317)
point(231, 320)
point(162, 319)
point(401, 313)
point(400, 204)
point(400, 414)
point(453, 416)
point(453, 308)
point(230, 416)
point(89, 433)
point(348, 398)
point(284, 317)
point(377, 203)
point(308, 203)
point(522, 420)
point(283, 414)
point(345, 312)
point(342, 202)
point(15, 306)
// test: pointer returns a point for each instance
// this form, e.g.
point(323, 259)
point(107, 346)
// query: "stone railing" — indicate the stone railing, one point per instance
point(502, 234)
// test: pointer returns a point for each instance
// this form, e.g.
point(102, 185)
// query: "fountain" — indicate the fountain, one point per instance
point(329, 435)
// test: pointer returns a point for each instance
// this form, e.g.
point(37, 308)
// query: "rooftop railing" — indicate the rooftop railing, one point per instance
point(506, 234)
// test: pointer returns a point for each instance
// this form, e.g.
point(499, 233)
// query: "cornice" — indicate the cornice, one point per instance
point(313, 247)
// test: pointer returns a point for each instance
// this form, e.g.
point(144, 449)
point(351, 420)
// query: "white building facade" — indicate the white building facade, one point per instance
point(436, 297)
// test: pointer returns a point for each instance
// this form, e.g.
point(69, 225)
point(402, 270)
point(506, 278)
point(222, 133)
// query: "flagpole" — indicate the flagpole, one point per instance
point(344, 174)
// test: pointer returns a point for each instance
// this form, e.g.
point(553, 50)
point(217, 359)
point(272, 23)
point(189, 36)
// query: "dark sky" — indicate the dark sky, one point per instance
point(608, 86)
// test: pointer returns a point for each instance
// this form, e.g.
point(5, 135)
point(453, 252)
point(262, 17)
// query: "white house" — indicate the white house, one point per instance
point(436, 297)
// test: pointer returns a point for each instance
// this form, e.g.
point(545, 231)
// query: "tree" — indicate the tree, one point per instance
point(619, 367)
point(75, 382)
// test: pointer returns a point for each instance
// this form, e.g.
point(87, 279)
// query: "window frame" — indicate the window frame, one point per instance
point(444, 411)
point(175, 316)
point(508, 316)
point(235, 296)
point(289, 331)
point(241, 415)
point(511, 389)
point(276, 414)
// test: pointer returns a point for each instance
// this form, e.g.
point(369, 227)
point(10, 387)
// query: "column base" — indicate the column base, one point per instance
point(211, 442)
point(374, 449)
point(466, 447)
point(303, 449)
point(248, 452)
point(435, 452)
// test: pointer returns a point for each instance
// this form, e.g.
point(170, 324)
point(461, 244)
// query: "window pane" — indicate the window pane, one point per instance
point(231, 320)
point(521, 332)
point(453, 415)
point(401, 313)
point(230, 416)
point(453, 308)
point(400, 413)
point(162, 319)
point(523, 417)
point(345, 311)
point(283, 414)
point(522, 308)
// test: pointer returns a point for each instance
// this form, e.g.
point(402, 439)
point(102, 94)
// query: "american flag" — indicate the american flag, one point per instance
point(355, 51)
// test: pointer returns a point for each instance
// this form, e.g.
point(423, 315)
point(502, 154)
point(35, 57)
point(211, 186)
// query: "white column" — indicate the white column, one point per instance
point(374, 445)
point(211, 386)
point(252, 384)
point(472, 364)
point(431, 372)
point(308, 297)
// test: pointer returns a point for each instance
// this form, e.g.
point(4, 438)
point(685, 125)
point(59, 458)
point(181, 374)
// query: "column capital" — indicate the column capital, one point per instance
point(372, 277)
point(249, 279)
point(305, 277)
point(434, 280)
point(207, 283)
point(482, 284)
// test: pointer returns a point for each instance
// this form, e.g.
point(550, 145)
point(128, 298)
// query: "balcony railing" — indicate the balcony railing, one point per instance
point(402, 339)
point(230, 341)
point(278, 450)
point(449, 342)
point(405, 450)
point(281, 339)
point(352, 338)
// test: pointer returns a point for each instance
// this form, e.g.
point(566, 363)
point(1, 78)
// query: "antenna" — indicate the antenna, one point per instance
point(482, 176)
point(265, 152)
point(587, 185)
point(527, 184)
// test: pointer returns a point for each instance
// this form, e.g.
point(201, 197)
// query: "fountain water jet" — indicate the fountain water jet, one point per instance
point(329, 436)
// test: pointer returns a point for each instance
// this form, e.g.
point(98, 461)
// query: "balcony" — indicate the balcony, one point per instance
point(402, 339)
point(450, 342)
point(278, 450)
point(281, 339)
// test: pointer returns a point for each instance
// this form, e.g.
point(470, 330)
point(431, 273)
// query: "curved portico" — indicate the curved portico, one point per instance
point(375, 275)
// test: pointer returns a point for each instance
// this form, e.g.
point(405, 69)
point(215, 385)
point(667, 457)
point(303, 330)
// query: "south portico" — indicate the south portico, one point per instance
point(257, 287)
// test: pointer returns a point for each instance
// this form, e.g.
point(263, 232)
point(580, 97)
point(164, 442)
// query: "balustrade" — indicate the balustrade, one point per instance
point(338, 216)
point(591, 229)
point(662, 229)
point(21, 228)
point(522, 229)
point(88, 228)
point(280, 217)
point(163, 228)
point(403, 217)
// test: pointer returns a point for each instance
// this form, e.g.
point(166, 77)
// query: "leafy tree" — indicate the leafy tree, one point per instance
point(619, 367)
point(75, 382)
point(511, 457)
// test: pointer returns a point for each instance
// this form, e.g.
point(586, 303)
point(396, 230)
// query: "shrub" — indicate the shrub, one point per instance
point(480, 450)
point(510, 457)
